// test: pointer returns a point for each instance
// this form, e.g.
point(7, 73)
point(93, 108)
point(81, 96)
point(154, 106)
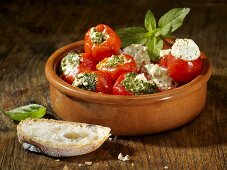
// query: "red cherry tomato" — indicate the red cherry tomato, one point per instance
point(95, 81)
point(67, 78)
point(103, 83)
point(121, 90)
point(86, 63)
point(183, 71)
point(101, 41)
point(117, 65)
point(164, 61)
point(167, 44)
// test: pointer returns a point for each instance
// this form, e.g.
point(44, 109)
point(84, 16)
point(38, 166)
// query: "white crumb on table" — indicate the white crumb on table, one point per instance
point(88, 163)
point(123, 158)
point(166, 167)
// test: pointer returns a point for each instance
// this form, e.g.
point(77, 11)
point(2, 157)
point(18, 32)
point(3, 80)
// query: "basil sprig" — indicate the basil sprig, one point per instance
point(152, 36)
point(23, 112)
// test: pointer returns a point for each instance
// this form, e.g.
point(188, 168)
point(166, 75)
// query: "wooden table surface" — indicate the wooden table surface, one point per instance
point(31, 30)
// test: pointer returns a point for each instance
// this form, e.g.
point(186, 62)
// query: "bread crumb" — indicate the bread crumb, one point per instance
point(80, 165)
point(57, 160)
point(123, 158)
point(66, 168)
point(132, 164)
point(88, 163)
point(166, 167)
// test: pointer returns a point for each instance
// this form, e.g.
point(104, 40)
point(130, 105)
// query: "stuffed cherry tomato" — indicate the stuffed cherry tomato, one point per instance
point(73, 63)
point(101, 41)
point(95, 81)
point(183, 60)
point(133, 84)
point(183, 70)
point(116, 65)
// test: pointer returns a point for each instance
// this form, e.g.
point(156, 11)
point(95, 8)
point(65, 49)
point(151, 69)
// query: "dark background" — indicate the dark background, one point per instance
point(31, 30)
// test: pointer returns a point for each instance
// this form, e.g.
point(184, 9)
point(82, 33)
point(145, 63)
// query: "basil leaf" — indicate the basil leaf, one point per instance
point(172, 20)
point(157, 32)
point(154, 46)
point(149, 22)
point(132, 35)
point(23, 112)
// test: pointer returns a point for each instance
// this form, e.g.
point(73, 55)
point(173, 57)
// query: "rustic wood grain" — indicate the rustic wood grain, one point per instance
point(31, 30)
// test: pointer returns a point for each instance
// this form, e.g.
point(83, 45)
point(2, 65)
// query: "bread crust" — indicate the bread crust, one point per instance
point(54, 150)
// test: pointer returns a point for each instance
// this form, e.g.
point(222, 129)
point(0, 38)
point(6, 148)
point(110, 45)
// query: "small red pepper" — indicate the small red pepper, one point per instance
point(101, 41)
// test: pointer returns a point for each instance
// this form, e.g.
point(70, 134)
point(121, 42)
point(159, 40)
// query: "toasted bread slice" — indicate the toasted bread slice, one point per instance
point(60, 138)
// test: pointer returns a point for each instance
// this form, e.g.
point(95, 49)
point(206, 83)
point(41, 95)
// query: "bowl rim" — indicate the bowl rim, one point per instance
point(73, 92)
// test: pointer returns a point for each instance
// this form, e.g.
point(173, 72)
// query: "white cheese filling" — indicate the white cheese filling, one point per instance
point(79, 81)
point(143, 78)
point(185, 49)
point(164, 52)
point(139, 53)
point(70, 62)
point(160, 76)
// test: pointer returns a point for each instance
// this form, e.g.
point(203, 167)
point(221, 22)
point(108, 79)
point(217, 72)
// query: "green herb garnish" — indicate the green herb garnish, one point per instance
point(96, 36)
point(85, 81)
point(152, 35)
point(23, 112)
point(115, 60)
point(137, 86)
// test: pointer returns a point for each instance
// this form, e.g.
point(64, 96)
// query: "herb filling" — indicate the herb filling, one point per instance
point(115, 60)
point(97, 37)
point(138, 86)
point(70, 61)
point(85, 81)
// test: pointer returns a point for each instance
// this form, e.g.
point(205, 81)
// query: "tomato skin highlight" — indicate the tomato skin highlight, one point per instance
point(107, 48)
point(116, 71)
point(121, 90)
point(183, 71)
point(104, 83)
point(67, 78)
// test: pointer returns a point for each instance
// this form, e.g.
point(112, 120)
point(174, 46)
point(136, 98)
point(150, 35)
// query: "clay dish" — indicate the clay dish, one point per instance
point(126, 115)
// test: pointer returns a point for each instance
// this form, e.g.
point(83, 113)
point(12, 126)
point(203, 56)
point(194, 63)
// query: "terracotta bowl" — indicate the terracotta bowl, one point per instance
point(126, 115)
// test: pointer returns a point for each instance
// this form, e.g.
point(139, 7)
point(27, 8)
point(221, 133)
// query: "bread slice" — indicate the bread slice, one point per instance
point(60, 138)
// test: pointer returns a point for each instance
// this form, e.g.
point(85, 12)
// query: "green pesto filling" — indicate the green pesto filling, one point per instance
point(85, 81)
point(138, 87)
point(71, 60)
point(115, 60)
point(97, 37)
